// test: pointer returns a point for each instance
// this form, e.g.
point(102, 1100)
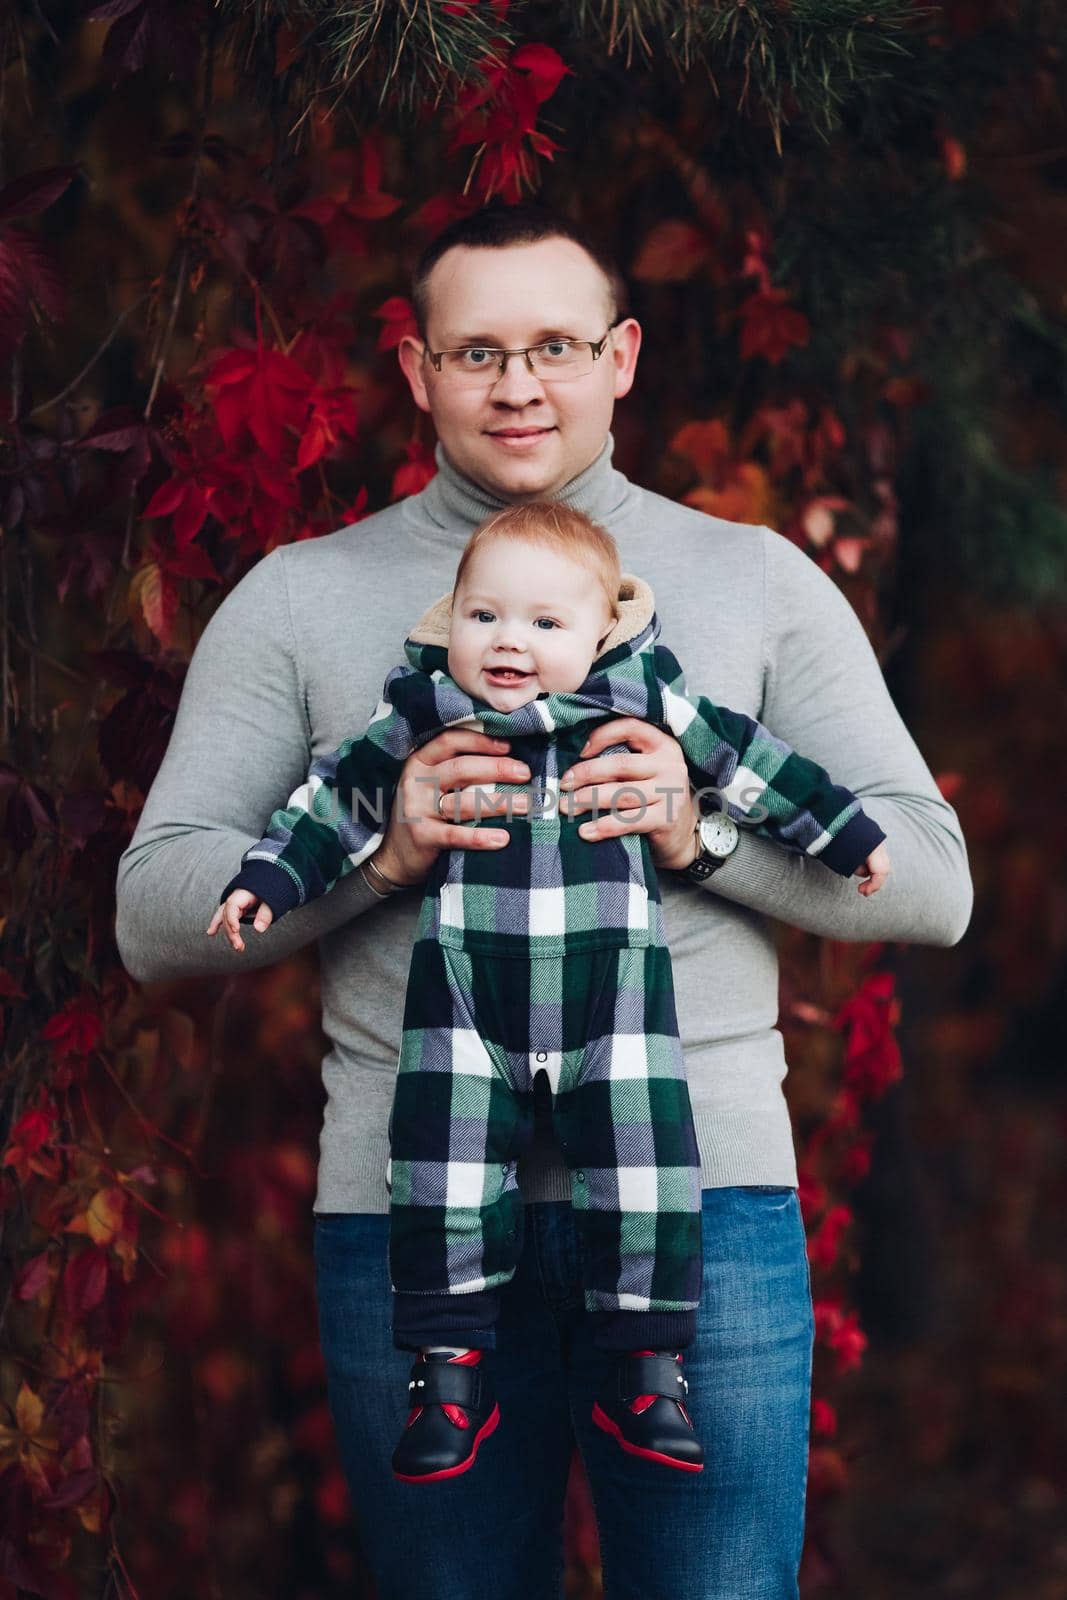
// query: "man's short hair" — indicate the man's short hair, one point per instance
point(495, 227)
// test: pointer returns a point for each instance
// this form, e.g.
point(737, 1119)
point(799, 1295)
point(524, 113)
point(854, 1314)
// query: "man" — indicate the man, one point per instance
point(307, 637)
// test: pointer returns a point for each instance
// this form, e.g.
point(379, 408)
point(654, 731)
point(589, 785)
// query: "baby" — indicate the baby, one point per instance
point(542, 637)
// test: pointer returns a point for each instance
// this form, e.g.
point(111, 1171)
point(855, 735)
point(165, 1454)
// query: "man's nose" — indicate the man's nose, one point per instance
point(517, 386)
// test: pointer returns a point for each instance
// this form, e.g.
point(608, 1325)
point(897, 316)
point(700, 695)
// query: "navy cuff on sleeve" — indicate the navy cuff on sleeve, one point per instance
point(272, 884)
point(852, 845)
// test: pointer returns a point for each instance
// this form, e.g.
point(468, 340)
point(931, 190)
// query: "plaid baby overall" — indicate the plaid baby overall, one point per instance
point(548, 954)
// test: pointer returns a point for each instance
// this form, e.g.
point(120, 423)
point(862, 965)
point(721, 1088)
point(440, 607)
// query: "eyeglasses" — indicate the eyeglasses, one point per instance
point(555, 359)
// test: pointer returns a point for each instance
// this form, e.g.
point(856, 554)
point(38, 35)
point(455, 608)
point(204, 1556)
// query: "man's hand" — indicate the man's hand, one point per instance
point(642, 790)
point(438, 780)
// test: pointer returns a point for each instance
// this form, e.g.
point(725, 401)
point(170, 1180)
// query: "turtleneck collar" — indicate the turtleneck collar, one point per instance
point(456, 502)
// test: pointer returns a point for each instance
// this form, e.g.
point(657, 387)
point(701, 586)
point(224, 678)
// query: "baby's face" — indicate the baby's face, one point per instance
point(525, 620)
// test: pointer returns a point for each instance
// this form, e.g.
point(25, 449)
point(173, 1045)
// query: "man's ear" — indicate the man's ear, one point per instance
point(625, 343)
point(412, 364)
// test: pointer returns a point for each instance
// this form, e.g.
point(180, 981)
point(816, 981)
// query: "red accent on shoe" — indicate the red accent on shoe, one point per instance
point(603, 1421)
point(453, 1472)
point(413, 1416)
point(456, 1415)
point(471, 1359)
point(685, 1413)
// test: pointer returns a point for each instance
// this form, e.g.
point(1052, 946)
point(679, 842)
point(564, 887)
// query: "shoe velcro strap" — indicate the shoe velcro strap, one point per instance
point(444, 1383)
point(651, 1375)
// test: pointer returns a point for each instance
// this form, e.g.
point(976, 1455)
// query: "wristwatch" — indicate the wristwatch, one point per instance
point(717, 838)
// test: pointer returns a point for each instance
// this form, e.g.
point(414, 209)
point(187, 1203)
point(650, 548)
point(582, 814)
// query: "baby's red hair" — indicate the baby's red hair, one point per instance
point(558, 527)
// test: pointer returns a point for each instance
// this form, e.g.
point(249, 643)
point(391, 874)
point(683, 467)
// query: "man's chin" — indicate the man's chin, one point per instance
point(520, 480)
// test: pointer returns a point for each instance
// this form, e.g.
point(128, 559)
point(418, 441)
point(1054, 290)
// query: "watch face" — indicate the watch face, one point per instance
point(718, 834)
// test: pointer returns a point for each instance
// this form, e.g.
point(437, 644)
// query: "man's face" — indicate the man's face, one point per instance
point(521, 437)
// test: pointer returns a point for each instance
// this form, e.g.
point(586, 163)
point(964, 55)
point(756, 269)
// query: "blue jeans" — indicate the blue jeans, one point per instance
point(731, 1532)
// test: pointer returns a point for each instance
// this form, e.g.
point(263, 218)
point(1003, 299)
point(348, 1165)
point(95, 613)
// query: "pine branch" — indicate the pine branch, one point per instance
point(788, 56)
point(406, 53)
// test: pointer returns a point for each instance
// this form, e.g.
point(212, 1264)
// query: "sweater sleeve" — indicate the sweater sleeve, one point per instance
point(762, 782)
point(240, 740)
point(824, 692)
point(338, 815)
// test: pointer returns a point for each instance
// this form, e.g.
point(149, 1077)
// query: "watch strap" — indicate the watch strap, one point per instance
point(703, 864)
point(701, 869)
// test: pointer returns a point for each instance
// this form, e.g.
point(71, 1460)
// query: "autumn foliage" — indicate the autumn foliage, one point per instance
point(200, 293)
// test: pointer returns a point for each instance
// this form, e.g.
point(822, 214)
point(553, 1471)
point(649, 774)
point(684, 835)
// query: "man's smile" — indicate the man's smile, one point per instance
point(518, 438)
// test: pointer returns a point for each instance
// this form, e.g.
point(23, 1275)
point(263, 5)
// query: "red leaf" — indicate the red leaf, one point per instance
point(544, 66)
point(42, 274)
point(167, 498)
point(85, 1279)
point(27, 274)
point(193, 562)
point(33, 193)
point(321, 209)
point(189, 518)
point(261, 392)
point(416, 471)
point(771, 327)
point(14, 299)
point(34, 1128)
point(954, 155)
point(823, 1417)
point(823, 1246)
point(74, 1031)
point(371, 207)
point(672, 252)
point(398, 318)
point(707, 445)
point(71, 1489)
point(32, 1277)
point(117, 429)
point(441, 209)
point(109, 9)
point(949, 783)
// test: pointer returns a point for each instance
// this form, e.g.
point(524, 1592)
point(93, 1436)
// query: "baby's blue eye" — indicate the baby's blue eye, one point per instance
point(478, 615)
point(549, 620)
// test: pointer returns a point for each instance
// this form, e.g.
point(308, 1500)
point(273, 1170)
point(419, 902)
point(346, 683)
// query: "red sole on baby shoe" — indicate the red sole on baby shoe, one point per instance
point(603, 1421)
point(487, 1427)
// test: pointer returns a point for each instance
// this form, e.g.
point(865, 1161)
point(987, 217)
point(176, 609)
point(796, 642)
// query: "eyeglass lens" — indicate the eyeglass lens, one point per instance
point(555, 360)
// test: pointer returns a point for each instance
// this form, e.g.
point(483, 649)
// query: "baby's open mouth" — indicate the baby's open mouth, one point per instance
point(505, 674)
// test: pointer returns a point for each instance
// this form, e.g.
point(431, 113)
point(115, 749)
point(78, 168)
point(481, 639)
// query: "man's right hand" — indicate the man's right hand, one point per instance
point(437, 791)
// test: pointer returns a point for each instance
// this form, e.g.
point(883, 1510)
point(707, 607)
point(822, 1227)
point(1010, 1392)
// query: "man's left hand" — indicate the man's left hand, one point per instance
point(641, 790)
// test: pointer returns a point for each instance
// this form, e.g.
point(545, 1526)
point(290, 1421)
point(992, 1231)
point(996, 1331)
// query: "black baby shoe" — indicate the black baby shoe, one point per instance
point(453, 1410)
point(642, 1407)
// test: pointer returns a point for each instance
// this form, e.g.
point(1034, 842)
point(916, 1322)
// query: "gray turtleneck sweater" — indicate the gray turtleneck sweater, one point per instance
point(303, 644)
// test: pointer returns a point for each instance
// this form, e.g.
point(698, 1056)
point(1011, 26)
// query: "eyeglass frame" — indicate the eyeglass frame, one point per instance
point(595, 345)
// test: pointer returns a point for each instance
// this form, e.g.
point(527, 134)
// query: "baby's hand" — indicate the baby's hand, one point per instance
point(229, 914)
point(874, 871)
